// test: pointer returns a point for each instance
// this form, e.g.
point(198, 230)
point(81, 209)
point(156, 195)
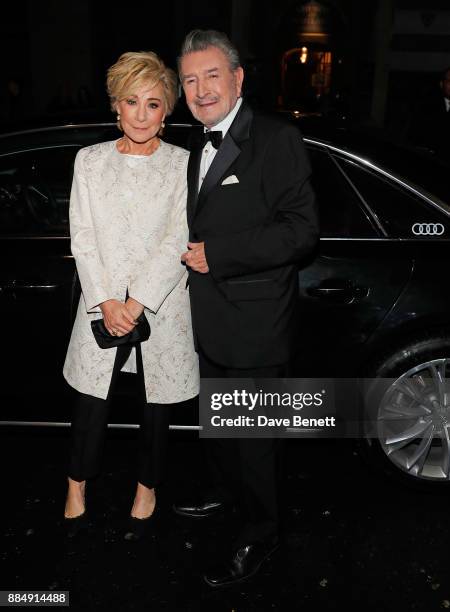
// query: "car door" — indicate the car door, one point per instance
point(36, 271)
point(420, 226)
point(354, 280)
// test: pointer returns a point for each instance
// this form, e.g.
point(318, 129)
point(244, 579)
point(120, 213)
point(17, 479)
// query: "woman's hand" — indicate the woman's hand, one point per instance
point(134, 307)
point(117, 318)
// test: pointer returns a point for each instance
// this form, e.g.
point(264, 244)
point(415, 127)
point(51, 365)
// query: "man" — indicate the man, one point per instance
point(252, 219)
point(430, 125)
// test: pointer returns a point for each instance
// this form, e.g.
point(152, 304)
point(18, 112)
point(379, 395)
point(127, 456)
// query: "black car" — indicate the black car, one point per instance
point(373, 301)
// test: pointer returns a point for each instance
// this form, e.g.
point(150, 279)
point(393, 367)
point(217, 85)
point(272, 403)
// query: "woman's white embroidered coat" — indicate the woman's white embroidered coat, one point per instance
point(128, 230)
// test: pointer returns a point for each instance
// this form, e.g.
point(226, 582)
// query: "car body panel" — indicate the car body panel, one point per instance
point(345, 294)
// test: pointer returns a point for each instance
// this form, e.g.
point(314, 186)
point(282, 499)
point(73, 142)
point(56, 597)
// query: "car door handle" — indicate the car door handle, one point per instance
point(338, 293)
point(14, 287)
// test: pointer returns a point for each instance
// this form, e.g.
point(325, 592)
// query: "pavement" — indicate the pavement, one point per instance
point(352, 538)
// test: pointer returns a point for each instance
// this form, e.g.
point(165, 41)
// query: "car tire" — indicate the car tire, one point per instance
point(406, 415)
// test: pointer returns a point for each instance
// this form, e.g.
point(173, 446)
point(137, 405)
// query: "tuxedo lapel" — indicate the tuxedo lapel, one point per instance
point(225, 156)
point(193, 171)
point(229, 150)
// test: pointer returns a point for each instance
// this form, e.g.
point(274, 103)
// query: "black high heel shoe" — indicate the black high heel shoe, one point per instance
point(73, 526)
point(138, 528)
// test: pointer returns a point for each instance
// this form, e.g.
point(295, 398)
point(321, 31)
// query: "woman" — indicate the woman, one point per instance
point(128, 229)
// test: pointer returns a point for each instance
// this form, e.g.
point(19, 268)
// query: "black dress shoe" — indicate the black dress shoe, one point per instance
point(243, 563)
point(199, 510)
point(73, 526)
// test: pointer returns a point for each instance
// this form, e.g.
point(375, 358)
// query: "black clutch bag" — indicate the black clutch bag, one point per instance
point(140, 333)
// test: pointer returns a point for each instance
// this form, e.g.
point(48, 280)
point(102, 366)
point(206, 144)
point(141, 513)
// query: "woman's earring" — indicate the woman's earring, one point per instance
point(119, 125)
point(161, 128)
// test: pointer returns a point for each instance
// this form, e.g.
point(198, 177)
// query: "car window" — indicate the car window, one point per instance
point(402, 213)
point(180, 135)
point(35, 191)
point(340, 210)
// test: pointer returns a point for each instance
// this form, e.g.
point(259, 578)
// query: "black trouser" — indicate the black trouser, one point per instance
point(89, 422)
point(245, 470)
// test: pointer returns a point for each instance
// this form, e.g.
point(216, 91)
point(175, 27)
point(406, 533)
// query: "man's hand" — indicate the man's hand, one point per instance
point(118, 320)
point(134, 307)
point(195, 258)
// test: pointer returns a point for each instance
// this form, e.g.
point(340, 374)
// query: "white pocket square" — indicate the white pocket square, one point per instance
point(230, 180)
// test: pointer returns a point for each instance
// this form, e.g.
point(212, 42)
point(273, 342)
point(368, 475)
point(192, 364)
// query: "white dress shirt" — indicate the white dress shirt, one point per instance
point(209, 152)
point(447, 104)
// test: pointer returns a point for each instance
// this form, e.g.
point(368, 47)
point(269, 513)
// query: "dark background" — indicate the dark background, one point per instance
point(387, 55)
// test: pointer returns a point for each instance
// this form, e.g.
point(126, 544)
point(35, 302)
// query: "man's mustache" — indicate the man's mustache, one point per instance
point(201, 101)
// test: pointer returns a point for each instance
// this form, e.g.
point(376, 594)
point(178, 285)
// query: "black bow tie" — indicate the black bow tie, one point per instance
point(215, 136)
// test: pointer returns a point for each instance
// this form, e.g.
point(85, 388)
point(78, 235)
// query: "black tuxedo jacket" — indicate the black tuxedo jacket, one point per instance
point(256, 231)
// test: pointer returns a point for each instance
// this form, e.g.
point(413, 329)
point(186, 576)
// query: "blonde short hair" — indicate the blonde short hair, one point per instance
point(135, 69)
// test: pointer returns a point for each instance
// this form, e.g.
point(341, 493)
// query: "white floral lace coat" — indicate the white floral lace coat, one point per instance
point(128, 229)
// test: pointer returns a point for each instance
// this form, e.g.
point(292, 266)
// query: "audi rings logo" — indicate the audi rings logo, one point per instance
point(428, 229)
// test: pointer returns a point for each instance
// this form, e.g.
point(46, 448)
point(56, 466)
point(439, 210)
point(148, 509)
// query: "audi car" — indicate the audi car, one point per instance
point(372, 299)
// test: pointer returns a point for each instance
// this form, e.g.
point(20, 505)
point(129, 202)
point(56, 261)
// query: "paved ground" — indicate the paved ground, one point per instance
point(353, 540)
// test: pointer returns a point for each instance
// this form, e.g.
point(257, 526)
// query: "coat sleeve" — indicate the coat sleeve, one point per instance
point(158, 276)
point(92, 274)
point(292, 228)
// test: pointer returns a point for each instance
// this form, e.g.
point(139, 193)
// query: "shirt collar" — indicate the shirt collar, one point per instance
point(225, 124)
